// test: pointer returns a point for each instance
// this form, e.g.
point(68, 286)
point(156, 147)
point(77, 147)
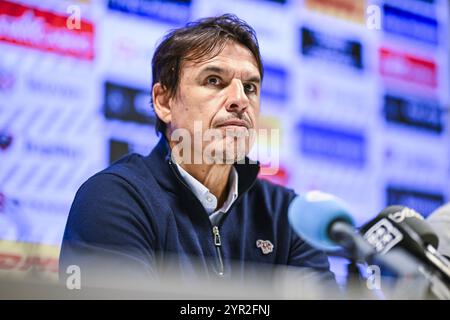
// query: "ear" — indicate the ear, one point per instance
point(161, 103)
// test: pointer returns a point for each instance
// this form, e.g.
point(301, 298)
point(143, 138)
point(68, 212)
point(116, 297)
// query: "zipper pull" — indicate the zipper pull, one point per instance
point(218, 245)
point(216, 236)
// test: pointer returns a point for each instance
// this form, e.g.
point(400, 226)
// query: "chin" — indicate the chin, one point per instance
point(226, 151)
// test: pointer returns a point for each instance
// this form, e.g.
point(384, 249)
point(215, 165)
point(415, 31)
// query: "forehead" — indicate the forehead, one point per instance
point(234, 57)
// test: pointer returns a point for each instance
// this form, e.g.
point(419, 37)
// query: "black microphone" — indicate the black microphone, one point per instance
point(414, 220)
point(402, 227)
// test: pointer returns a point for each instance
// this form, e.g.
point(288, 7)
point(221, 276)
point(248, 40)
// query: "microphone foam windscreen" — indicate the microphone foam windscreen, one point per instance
point(312, 214)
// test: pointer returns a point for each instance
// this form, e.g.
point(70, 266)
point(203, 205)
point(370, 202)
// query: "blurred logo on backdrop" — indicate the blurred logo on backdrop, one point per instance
point(119, 148)
point(52, 149)
point(331, 48)
point(422, 114)
point(128, 104)
point(44, 30)
point(21, 260)
point(26, 218)
point(170, 11)
point(337, 101)
point(6, 140)
point(353, 10)
point(54, 87)
point(332, 143)
point(2, 202)
point(410, 24)
point(408, 67)
point(422, 201)
point(7, 80)
point(400, 157)
point(275, 83)
point(14, 224)
point(327, 95)
point(128, 50)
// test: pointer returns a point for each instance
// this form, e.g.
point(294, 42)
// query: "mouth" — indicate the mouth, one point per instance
point(234, 123)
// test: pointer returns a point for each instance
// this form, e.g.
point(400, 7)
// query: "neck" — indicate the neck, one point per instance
point(214, 177)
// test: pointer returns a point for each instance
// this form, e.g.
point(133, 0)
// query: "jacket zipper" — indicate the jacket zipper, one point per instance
point(218, 245)
point(215, 230)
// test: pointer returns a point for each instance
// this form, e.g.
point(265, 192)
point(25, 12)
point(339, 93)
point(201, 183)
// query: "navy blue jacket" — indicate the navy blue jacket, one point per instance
point(139, 211)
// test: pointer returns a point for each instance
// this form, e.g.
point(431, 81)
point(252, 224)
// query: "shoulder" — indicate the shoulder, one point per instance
point(131, 167)
point(112, 197)
point(272, 188)
point(130, 174)
point(275, 196)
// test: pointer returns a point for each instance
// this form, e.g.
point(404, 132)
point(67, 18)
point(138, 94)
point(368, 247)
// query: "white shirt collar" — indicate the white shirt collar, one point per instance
point(207, 199)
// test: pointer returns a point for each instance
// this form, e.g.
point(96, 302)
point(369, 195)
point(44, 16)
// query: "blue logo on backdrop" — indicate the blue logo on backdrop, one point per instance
point(409, 24)
point(421, 114)
point(274, 85)
point(331, 48)
point(170, 11)
point(423, 202)
point(336, 144)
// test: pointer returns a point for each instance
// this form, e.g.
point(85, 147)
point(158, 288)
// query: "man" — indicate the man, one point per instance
point(192, 198)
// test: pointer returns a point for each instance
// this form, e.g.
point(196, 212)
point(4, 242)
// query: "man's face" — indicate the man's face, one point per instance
point(220, 97)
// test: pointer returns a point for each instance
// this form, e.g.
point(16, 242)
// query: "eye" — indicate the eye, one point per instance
point(213, 80)
point(250, 88)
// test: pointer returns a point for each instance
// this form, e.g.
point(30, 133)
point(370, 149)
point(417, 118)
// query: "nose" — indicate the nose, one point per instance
point(237, 98)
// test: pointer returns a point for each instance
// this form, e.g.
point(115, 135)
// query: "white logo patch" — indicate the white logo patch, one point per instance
point(265, 245)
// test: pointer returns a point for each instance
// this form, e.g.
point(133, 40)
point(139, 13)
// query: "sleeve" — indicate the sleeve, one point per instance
point(304, 255)
point(314, 272)
point(108, 236)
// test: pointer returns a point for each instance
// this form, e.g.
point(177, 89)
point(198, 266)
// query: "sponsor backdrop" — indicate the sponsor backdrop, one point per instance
point(359, 91)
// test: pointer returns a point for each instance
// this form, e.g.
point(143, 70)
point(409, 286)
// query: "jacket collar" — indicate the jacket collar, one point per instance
point(168, 176)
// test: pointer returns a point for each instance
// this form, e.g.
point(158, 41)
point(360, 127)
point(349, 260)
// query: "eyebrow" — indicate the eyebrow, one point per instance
point(219, 70)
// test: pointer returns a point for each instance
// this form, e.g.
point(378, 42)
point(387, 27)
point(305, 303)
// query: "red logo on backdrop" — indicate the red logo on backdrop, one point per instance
point(407, 67)
point(23, 263)
point(44, 30)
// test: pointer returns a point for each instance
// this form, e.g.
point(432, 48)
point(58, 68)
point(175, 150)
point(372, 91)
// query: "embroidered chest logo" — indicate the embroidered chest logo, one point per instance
point(265, 245)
